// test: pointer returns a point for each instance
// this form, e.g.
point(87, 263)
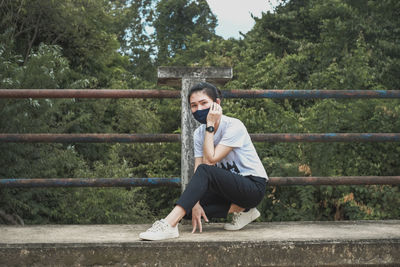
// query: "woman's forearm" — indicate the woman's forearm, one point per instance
point(209, 149)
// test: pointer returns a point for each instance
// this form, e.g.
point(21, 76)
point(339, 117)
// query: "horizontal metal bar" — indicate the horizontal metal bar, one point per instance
point(90, 182)
point(336, 180)
point(154, 93)
point(132, 182)
point(155, 138)
point(88, 138)
point(327, 137)
point(88, 93)
point(311, 94)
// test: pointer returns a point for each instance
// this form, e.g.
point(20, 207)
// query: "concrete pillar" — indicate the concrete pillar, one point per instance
point(188, 77)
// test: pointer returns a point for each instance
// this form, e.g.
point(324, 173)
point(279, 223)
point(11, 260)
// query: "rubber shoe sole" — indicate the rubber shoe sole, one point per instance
point(157, 237)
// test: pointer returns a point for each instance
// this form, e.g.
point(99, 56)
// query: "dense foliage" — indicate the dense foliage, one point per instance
point(303, 44)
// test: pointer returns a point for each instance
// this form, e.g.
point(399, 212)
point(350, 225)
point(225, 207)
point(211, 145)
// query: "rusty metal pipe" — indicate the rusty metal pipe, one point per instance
point(327, 137)
point(87, 93)
point(336, 180)
point(155, 138)
point(175, 182)
point(311, 94)
point(89, 182)
point(153, 93)
point(88, 138)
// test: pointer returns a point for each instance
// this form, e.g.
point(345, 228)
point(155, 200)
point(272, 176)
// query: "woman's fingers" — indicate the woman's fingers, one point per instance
point(199, 223)
point(216, 107)
point(197, 214)
point(194, 225)
point(215, 113)
point(204, 216)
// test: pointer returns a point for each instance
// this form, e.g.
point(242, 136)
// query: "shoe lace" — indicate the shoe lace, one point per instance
point(235, 217)
point(157, 226)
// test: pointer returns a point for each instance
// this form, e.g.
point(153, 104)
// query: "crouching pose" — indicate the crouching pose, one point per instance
point(229, 176)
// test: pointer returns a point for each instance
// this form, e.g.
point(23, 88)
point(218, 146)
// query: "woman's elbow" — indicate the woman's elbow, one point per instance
point(208, 161)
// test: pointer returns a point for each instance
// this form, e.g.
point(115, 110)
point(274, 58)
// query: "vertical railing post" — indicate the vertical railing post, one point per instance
point(187, 77)
point(188, 125)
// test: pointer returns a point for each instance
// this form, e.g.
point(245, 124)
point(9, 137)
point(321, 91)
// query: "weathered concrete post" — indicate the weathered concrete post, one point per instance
point(188, 77)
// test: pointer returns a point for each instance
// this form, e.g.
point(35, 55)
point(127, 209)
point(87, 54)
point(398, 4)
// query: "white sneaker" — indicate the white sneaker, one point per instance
point(241, 219)
point(159, 231)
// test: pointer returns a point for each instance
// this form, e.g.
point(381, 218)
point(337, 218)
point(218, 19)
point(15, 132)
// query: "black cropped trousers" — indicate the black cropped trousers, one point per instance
point(217, 189)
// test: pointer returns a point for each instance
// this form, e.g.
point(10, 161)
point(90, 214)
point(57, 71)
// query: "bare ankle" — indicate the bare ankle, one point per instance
point(235, 208)
point(175, 215)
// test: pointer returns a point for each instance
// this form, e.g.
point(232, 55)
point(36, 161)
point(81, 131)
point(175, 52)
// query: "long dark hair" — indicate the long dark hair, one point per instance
point(210, 90)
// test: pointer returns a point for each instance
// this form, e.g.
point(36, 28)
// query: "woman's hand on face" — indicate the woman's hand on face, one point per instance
point(197, 213)
point(214, 115)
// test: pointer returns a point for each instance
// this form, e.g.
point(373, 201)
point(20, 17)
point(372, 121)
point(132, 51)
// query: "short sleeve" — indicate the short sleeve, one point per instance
point(198, 143)
point(234, 135)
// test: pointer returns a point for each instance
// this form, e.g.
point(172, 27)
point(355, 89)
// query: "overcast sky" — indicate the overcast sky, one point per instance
point(234, 15)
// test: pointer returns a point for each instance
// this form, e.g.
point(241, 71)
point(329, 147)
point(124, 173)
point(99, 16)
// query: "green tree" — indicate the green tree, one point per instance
point(326, 45)
point(134, 18)
point(84, 29)
point(86, 56)
point(176, 20)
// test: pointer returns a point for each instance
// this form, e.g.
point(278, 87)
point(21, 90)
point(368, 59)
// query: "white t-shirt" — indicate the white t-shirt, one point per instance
point(243, 158)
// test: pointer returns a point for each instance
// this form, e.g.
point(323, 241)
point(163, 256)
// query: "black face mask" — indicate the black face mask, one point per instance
point(201, 115)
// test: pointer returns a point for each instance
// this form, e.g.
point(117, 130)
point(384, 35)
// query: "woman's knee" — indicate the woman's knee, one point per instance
point(204, 168)
point(204, 172)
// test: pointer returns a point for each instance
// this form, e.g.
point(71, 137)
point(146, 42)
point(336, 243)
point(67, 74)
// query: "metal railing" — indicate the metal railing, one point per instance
point(156, 138)
point(177, 181)
point(151, 93)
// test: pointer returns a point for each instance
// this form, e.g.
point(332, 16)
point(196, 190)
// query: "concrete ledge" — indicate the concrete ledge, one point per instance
point(360, 243)
point(173, 75)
